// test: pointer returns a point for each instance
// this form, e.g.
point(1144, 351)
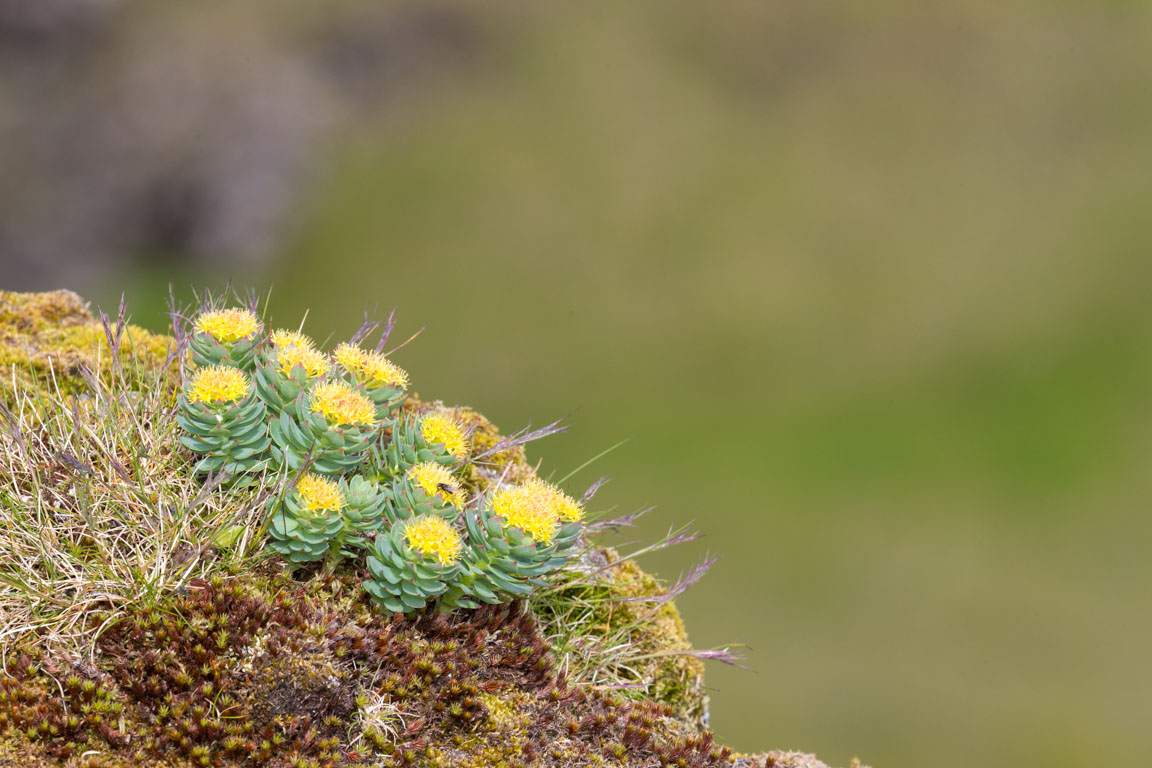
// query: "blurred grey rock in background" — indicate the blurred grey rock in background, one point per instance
point(132, 131)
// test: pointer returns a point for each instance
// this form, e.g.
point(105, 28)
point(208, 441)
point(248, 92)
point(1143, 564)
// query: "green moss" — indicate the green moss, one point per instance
point(677, 680)
point(46, 338)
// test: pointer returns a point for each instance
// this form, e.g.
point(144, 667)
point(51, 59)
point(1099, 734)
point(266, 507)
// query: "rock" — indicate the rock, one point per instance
point(256, 666)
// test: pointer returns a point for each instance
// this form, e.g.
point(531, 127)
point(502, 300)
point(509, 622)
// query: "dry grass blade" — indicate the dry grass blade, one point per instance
point(99, 510)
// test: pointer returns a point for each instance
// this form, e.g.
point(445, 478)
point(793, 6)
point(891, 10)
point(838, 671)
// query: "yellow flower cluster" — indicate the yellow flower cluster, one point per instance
point(228, 325)
point(340, 404)
point(320, 494)
point(568, 508)
point(536, 507)
point(375, 369)
point(438, 481)
point(313, 361)
point(432, 536)
point(218, 384)
point(285, 338)
point(442, 428)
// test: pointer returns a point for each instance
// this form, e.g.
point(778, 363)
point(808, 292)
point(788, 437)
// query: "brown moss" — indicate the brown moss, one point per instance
point(271, 672)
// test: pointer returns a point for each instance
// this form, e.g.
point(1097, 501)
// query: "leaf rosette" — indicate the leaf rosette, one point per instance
point(364, 504)
point(286, 368)
point(225, 337)
point(426, 488)
point(435, 438)
point(333, 426)
point(308, 524)
point(224, 420)
point(413, 563)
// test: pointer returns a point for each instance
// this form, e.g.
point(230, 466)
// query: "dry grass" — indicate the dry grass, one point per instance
point(605, 633)
point(99, 509)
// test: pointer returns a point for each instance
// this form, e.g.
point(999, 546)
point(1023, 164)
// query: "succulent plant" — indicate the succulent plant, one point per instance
point(413, 563)
point(382, 380)
point(224, 419)
point(286, 367)
point(571, 520)
point(518, 535)
point(426, 488)
point(364, 503)
point(307, 524)
point(333, 425)
point(363, 486)
point(225, 337)
point(435, 437)
point(492, 567)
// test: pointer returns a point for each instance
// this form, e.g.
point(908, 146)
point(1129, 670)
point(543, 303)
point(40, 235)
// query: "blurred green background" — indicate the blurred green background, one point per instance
point(866, 285)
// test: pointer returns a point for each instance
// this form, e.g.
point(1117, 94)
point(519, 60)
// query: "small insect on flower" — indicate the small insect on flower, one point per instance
point(438, 481)
point(441, 428)
point(432, 536)
point(320, 494)
point(313, 361)
point(340, 404)
point(218, 384)
point(529, 507)
point(228, 325)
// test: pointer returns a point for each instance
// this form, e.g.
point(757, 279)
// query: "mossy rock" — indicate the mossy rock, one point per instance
point(257, 667)
point(47, 339)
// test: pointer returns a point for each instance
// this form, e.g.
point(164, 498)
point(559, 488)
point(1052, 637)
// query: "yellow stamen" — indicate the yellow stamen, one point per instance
point(528, 507)
point(284, 338)
point(228, 325)
point(314, 362)
point(350, 356)
point(372, 367)
point(567, 508)
point(320, 494)
point(379, 371)
point(442, 428)
point(218, 384)
point(341, 404)
point(438, 481)
point(432, 536)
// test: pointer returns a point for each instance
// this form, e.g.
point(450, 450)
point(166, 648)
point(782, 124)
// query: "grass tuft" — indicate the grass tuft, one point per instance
point(99, 508)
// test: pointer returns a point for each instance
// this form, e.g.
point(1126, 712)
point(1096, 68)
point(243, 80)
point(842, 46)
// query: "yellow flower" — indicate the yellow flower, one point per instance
point(375, 369)
point(530, 508)
point(284, 338)
point(442, 428)
point(350, 356)
point(228, 325)
point(313, 361)
point(320, 494)
point(438, 481)
point(379, 371)
point(566, 507)
point(432, 536)
point(341, 404)
point(218, 384)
